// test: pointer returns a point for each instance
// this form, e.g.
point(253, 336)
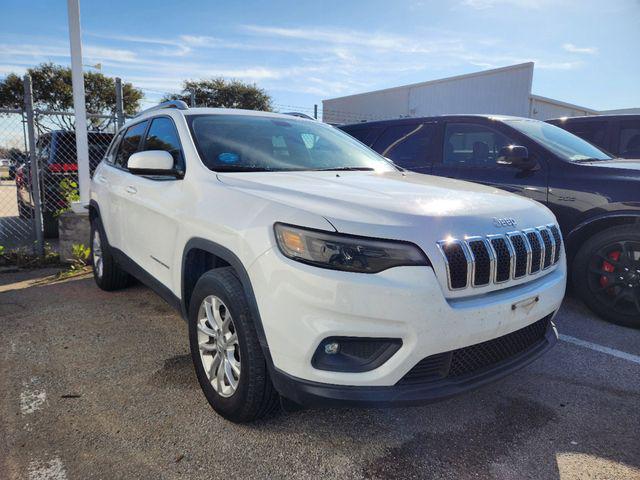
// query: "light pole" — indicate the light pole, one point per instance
point(77, 78)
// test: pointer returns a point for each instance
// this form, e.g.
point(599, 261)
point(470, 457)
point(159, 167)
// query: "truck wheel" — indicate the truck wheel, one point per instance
point(49, 225)
point(227, 356)
point(606, 274)
point(106, 272)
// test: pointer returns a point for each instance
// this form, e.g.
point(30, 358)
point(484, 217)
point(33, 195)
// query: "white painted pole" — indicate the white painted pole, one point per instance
point(77, 78)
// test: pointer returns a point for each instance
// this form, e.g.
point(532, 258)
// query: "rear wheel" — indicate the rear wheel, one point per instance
point(227, 356)
point(606, 274)
point(106, 272)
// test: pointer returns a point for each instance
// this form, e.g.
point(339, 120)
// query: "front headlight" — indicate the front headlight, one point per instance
point(346, 252)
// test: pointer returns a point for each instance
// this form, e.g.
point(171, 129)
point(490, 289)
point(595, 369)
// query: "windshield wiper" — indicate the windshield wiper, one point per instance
point(345, 169)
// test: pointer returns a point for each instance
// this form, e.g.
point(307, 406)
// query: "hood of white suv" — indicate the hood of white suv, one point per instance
point(368, 203)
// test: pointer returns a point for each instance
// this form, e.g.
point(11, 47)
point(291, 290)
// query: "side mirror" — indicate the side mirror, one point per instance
point(516, 156)
point(151, 162)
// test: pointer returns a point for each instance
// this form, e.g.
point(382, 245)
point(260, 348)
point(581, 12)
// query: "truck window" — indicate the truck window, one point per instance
point(406, 145)
point(364, 134)
point(592, 132)
point(472, 145)
point(629, 139)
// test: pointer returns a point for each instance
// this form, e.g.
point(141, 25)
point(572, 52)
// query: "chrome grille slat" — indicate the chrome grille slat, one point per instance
point(479, 261)
point(522, 258)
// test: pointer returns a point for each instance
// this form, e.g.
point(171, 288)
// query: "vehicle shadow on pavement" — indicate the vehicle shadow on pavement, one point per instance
point(121, 400)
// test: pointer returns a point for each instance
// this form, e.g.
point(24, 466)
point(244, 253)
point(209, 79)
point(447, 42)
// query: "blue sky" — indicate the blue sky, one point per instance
point(586, 52)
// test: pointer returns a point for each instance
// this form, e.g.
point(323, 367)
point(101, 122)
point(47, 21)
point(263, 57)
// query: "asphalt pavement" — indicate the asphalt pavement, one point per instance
point(100, 385)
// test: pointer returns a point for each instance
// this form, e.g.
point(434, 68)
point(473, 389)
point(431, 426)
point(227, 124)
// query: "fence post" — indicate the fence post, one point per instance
point(315, 111)
point(119, 103)
point(34, 167)
point(193, 99)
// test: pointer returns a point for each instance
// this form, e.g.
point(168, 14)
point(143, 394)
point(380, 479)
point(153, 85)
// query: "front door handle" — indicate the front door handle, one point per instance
point(101, 179)
point(132, 190)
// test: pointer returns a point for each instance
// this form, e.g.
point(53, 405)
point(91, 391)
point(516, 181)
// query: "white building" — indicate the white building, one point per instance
point(505, 91)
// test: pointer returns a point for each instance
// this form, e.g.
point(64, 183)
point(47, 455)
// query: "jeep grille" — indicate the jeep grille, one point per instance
point(481, 261)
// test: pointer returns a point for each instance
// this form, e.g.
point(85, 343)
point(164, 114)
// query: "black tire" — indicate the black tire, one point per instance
point(112, 276)
point(50, 225)
point(600, 279)
point(254, 396)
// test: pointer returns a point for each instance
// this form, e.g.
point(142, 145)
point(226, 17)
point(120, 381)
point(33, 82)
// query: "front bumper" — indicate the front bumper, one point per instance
point(301, 305)
point(309, 393)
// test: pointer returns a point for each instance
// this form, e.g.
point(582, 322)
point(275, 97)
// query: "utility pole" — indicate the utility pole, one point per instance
point(77, 78)
point(315, 111)
point(193, 99)
point(34, 168)
point(119, 103)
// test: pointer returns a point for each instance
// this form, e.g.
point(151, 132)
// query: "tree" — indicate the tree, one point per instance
point(218, 92)
point(52, 90)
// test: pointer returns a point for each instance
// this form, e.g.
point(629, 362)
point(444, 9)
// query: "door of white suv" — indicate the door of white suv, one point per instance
point(151, 205)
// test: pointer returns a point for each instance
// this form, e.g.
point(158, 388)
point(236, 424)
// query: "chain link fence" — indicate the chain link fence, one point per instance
point(16, 227)
point(57, 160)
point(31, 201)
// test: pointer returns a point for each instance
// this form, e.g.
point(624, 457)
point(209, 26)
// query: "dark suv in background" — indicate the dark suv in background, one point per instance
point(617, 134)
point(58, 161)
point(595, 196)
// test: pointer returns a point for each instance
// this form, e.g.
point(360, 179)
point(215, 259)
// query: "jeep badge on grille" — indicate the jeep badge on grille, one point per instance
point(504, 222)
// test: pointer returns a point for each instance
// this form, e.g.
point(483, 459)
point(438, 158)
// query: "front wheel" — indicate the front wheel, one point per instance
point(227, 356)
point(606, 274)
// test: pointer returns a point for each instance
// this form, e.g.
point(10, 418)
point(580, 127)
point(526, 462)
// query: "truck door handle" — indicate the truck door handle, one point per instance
point(101, 179)
point(132, 190)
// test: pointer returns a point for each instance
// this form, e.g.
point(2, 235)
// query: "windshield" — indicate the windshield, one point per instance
point(564, 144)
point(238, 143)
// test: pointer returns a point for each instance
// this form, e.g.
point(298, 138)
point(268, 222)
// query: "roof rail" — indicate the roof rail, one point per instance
point(179, 104)
point(299, 115)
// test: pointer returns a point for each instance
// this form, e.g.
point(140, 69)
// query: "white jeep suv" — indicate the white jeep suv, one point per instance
point(310, 268)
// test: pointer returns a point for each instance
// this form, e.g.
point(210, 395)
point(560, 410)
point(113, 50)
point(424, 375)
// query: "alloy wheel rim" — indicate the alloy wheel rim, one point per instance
point(97, 254)
point(614, 276)
point(218, 346)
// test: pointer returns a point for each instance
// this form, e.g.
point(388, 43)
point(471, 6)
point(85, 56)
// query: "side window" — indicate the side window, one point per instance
point(390, 135)
point(629, 139)
point(592, 132)
point(469, 145)
point(43, 149)
point(366, 135)
point(407, 145)
point(130, 143)
point(111, 154)
point(162, 135)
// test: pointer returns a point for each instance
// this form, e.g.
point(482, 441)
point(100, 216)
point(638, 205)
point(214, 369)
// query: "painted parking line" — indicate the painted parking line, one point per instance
point(600, 348)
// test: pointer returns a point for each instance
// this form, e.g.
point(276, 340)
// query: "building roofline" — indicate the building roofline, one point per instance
point(563, 104)
point(440, 80)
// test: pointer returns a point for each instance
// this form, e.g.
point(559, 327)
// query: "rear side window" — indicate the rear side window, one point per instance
point(130, 143)
point(162, 135)
point(111, 154)
point(592, 132)
point(366, 135)
point(406, 145)
point(629, 139)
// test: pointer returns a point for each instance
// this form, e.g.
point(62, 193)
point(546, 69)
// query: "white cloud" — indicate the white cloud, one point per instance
point(571, 48)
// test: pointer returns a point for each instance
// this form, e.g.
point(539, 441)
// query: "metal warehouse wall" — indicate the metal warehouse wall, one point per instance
point(501, 91)
point(543, 108)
